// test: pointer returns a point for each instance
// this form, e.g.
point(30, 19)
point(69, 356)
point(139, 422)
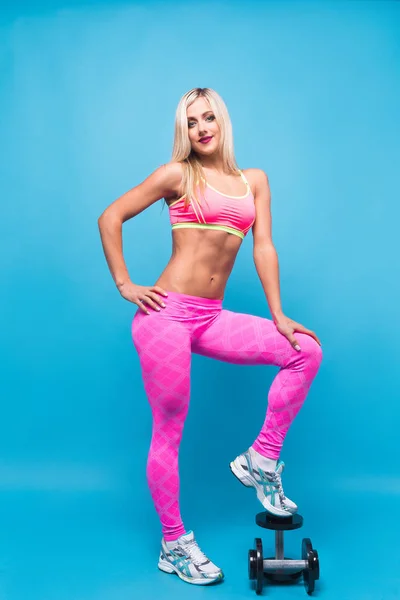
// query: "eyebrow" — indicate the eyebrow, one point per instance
point(207, 111)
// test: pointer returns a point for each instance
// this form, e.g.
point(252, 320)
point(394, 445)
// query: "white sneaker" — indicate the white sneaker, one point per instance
point(188, 561)
point(268, 484)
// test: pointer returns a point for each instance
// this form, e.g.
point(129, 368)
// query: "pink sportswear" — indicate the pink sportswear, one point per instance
point(233, 214)
point(165, 342)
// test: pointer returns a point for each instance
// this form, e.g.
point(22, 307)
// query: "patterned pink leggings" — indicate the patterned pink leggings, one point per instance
point(164, 341)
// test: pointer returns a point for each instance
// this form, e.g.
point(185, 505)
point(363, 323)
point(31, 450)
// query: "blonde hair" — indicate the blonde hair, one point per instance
point(182, 152)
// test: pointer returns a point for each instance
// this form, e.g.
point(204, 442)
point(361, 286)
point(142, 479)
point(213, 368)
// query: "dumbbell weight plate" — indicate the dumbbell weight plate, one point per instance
point(311, 573)
point(259, 566)
point(252, 564)
point(256, 565)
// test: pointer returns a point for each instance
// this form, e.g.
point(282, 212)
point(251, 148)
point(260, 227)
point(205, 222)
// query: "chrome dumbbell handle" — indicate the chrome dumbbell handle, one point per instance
point(279, 561)
point(286, 565)
point(279, 552)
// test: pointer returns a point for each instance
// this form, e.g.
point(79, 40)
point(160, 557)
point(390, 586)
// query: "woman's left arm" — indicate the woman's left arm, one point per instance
point(266, 260)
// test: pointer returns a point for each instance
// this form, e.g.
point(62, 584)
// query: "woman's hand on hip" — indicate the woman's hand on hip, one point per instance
point(287, 327)
point(143, 294)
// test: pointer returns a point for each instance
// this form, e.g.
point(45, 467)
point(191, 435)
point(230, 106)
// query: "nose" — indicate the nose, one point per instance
point(202, 129)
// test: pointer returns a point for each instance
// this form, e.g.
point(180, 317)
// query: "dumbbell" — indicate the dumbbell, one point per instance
point(280, 568)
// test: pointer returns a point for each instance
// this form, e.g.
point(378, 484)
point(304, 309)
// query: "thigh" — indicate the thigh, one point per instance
point(241, 338)
point(164, 352)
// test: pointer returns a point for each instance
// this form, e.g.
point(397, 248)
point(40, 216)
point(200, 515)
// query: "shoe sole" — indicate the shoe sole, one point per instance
point(166, 567)
point(247, 481)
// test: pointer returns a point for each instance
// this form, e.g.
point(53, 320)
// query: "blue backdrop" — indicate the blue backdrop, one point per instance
point(87, 101)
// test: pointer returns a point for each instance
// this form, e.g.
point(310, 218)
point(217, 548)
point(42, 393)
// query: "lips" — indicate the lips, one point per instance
point(205, 140)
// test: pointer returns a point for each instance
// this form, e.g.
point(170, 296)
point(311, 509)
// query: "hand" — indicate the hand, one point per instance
point(287, 327)
point(143, 294)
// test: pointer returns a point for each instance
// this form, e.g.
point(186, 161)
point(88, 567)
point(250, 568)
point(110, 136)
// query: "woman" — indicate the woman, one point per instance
point(213, 205)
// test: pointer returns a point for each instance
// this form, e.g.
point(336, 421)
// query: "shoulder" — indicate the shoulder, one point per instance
point(173, 168)
point(257, 178)
point(172, 172)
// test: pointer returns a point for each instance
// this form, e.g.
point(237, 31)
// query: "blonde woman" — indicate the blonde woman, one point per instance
point(212, 206)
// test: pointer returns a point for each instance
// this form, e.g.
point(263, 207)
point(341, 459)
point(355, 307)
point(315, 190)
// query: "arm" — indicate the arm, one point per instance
point(264, 253)
point(266, 261)
point(164, 181)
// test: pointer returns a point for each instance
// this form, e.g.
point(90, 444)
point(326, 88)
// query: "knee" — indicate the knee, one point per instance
point(310, 349)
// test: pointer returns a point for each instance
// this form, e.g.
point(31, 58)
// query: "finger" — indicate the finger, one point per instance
point(302, 329)
point(151, 303)
point(156, 298)
point(159, 290)
point(312, 334)
point(141, 305)
point(294, 343)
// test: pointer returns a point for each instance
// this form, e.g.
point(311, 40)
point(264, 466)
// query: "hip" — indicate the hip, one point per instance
point(182, 313)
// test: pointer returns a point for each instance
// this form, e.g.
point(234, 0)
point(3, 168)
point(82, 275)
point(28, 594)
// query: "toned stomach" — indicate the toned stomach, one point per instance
point(201, 262)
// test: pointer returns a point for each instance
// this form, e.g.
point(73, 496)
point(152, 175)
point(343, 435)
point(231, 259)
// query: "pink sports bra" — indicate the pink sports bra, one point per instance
point(234, 214)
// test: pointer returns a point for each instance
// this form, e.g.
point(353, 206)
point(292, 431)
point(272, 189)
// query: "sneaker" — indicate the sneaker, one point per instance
point(267, 483)
point(188, 561)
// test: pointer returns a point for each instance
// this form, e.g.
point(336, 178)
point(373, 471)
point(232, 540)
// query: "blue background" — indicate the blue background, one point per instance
point(87, 101)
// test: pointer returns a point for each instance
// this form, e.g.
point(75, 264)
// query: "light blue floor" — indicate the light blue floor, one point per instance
point(64, 546)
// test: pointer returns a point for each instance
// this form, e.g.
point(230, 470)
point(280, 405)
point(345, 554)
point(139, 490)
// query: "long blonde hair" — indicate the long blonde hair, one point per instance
point(193, 173)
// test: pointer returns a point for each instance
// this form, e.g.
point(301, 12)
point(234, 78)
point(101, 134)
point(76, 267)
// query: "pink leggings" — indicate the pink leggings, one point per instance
point(164, 341)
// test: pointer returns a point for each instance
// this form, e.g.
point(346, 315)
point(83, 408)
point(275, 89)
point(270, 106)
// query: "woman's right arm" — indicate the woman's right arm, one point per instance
point(163, 182)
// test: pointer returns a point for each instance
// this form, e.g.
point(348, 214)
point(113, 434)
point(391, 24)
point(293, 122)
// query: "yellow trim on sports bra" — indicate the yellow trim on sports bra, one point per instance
point(175, 201)
point(207, 226)
point(227, 195)
point(200, 212)
point(222, 194)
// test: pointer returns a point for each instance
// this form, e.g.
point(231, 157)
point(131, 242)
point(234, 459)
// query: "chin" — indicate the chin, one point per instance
point(206, 148)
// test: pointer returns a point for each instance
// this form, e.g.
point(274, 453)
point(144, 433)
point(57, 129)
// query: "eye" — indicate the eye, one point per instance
point(190, 123)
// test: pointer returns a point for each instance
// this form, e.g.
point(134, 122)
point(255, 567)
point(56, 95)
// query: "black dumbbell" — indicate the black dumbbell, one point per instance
point(311, 570)
point(280, 568)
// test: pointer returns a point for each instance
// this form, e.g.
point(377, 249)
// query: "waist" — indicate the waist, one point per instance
point(201, 263)
point(189, 299)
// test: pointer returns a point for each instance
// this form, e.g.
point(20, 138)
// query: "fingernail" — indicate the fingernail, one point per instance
point(297, 347)
point(163, 304)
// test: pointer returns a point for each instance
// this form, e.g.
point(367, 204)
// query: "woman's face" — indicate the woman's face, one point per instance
point(202, 124)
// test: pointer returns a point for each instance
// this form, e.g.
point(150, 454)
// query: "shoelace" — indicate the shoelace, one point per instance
point(277, 481)
point(195, 553)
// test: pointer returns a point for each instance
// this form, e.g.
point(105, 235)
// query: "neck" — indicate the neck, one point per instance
point(214, 163)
